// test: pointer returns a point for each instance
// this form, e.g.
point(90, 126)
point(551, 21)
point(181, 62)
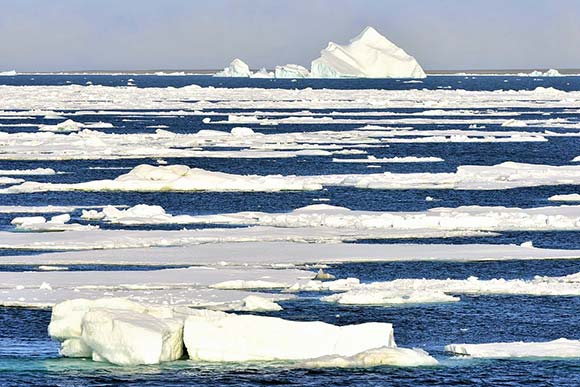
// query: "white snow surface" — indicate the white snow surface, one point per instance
point(561, 348)
point(369, 55)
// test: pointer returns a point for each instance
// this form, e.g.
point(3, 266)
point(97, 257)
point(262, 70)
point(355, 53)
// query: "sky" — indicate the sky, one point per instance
point(56, 35)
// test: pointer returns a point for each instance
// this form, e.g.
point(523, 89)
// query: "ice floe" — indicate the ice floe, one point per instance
point(368, 55)
point(561, 348)
point(55, 223)
point(565, 198)
point(182, 178)
point(477, 218)
point(413, 291)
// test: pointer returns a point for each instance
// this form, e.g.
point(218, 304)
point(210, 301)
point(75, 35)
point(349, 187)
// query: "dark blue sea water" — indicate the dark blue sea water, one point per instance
point(29, 358)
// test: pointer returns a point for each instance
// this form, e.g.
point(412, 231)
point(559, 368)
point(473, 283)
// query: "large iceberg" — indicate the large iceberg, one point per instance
point(369, 55)
point(237, 68)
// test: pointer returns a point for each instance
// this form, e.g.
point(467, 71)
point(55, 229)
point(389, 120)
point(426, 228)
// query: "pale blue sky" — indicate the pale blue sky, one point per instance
point(173, 34)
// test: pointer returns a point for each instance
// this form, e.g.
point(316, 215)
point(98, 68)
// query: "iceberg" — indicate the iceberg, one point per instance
point(238, 68)
point(561, 348)
point(9, 73)
point(291, 71)
point(369, 55)
point(117, 330)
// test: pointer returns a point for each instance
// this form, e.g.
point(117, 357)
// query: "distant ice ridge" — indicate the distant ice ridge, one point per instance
point(9, 73)
point(369, 55)
point(561, 348)
point(127, 333)
point(291, 71)
point(237, 68)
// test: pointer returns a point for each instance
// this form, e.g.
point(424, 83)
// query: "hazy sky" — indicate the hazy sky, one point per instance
point(196, 34)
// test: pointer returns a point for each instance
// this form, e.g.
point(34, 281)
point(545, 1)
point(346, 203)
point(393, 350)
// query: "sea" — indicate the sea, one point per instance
point(28, 357)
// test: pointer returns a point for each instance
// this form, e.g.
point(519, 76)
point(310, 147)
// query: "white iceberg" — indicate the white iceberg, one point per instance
point(230, 337)
point(291, 71)
point(9, 73)
point(66, 126)
point(237, 68)
point(369, 55)
point(561, 348)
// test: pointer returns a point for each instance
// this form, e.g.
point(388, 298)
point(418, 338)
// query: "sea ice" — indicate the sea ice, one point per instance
point(384, 356)
point(369, 55)
point(561, 348)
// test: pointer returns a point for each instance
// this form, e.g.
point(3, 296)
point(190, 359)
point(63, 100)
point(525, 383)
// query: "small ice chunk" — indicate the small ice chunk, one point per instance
point(561, 348)
point(384, 356)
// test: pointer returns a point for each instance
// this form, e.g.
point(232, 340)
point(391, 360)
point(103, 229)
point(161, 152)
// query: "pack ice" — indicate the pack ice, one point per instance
point(127, 333)
point(369, 55)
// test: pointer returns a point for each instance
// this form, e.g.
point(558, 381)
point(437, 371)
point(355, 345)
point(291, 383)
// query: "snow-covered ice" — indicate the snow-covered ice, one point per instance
point(368, 55)
point(384, 356)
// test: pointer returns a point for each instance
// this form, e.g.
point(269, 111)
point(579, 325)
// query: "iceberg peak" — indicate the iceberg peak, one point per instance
point(368, 55)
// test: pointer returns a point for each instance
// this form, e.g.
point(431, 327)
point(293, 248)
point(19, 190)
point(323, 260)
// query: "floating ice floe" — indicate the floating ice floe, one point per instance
point(369, 55)
point(291, 71)
point(419, 291)
point(9, 73)
point(406, 159)
point(179, 287)
point(56, 223)
point(237, 68)
point(127, 333)
point(561, 348)
point(182, 178)
point(476, 218)
point(27, 172)
point(565, 198)
point(72, 126)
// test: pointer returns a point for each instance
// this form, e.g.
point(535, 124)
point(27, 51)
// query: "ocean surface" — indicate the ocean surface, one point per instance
point(29, 358)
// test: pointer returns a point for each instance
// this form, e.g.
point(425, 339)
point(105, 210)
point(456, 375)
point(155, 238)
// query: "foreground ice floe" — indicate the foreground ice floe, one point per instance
point(475, 218)
point(287, 253)
point(561, 348)
point(368, 55)
point(127, 333)
point(182, 178)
